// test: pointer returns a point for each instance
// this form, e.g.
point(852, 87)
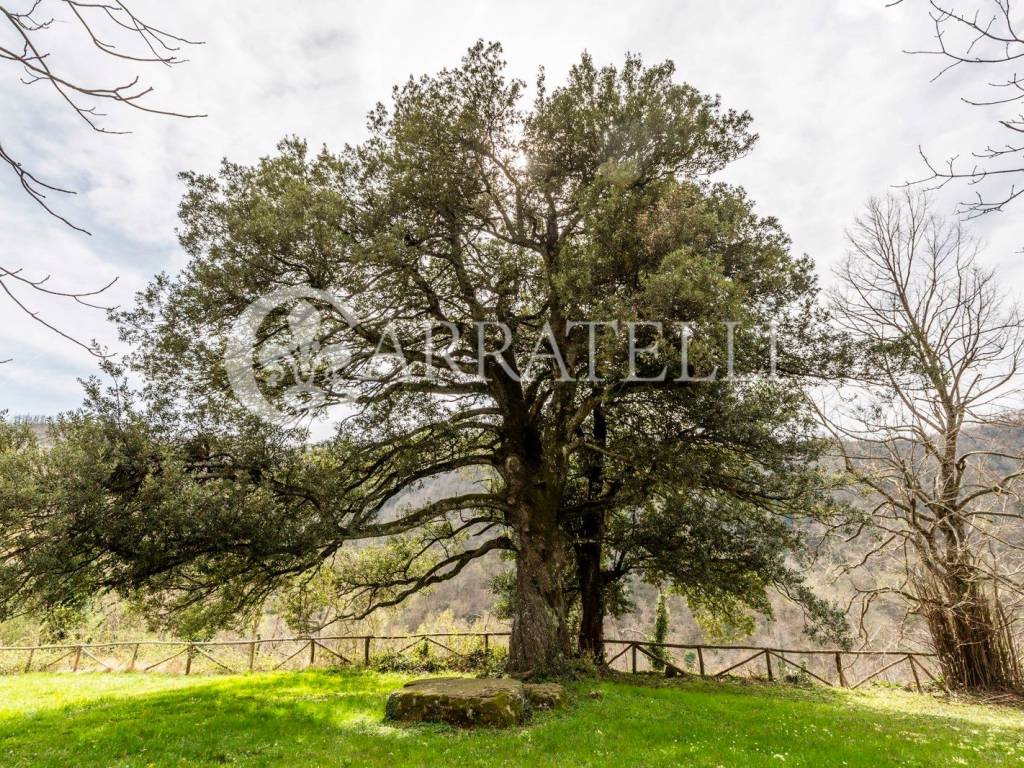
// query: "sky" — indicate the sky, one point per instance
point(840, 109)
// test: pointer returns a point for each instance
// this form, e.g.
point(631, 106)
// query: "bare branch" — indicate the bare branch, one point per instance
point(991, 43)
point(113, 29)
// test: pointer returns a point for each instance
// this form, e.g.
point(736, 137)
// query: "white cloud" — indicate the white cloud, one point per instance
point(840, 109)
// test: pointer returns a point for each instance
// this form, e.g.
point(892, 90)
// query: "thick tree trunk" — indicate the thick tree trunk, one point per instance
point(970, 632)
point(590, 642)
point(540, 637)
point(588, 550)
point(972, 640)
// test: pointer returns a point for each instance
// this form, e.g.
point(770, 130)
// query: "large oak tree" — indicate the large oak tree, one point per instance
point(500, 228)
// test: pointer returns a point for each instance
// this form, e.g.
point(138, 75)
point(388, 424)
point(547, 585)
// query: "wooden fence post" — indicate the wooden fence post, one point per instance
point(700, 660)
point(768, 664)
point(312, 652)
point(135, 657)
point(252, 653)
point(839, 669)
point(634, 658)
point(366, 650)
point(78, 658)
point(913, 668)
point(487, 642)
point(188, 660)
point(28, 664)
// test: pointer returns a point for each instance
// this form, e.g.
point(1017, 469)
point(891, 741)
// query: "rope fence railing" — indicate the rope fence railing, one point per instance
point(831, 667)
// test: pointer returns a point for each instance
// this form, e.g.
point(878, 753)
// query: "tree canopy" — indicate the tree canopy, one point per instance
point(556, 304)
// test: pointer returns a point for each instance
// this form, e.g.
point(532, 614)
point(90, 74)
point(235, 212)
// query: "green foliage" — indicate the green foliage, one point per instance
point(503, 585)
point(724, 617)
point(796, 675)
point(62, 622)
point(423, 660)
point(307, 602)
point(115, 502)
point(465, 203)
point(422, 652)
point(660, 634)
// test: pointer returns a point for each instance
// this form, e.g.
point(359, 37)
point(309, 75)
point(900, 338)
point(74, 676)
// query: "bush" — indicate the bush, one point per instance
point(489, 663)
point(660, 634)
point(796, 675)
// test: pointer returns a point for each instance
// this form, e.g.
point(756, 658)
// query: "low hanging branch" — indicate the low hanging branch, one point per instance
point(114, 30)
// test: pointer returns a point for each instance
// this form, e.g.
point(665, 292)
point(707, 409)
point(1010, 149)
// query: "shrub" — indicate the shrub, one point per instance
point(489, 663)
point(660, 634)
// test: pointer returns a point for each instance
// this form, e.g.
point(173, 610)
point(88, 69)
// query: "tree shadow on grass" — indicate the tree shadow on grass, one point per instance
point(337, 719)
point(260, 720)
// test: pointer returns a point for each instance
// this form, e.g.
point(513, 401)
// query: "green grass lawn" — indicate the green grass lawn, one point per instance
point(336, 719)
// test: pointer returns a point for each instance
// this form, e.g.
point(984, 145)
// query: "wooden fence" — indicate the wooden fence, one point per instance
point(848, 669)
point(839, 668)
point(257, 654)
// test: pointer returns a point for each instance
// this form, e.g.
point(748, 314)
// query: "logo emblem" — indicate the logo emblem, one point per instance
point(298, 363)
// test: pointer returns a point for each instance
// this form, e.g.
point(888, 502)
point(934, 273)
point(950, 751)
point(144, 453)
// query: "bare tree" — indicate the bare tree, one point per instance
point(929, 428)
point(988, 39)
point(115, 31)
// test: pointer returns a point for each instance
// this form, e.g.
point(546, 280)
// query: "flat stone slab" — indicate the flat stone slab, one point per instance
point(545, 695)
point(459, 701)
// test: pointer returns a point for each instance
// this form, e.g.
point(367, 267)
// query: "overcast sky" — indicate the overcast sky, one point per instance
point(839, 108)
